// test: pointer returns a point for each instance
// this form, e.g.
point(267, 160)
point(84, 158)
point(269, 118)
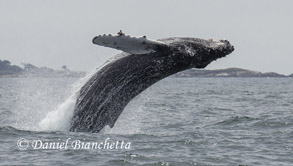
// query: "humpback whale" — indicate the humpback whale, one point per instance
point(142, 63)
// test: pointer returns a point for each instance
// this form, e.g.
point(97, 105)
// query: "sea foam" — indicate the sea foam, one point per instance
point(59, 119)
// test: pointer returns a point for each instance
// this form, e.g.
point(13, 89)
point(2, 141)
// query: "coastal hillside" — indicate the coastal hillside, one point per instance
point(29, 70)
point(7, 69)
point(230, 72)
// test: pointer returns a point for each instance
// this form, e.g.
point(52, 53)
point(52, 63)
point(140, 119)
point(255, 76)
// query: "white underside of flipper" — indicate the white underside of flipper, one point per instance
point(132, 45)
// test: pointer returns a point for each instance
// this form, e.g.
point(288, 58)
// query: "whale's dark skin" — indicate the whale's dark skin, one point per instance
point(103, 98)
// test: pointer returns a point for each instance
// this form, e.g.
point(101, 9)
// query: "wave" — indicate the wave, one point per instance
point(235, 120)
point(7, 131)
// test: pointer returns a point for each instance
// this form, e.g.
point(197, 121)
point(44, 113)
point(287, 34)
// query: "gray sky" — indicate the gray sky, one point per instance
point(56, 32)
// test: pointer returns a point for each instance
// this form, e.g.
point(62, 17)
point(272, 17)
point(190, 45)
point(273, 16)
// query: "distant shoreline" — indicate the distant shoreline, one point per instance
point(229, 72)
point(12, 71)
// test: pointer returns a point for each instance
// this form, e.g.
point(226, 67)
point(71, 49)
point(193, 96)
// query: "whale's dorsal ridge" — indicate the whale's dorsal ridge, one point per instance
point(129, 44)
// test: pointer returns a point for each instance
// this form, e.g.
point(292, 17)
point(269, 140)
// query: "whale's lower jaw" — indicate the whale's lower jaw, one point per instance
point(103, 98)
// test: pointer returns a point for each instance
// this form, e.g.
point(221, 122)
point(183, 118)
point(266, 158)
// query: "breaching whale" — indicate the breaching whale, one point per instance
point(143, 63)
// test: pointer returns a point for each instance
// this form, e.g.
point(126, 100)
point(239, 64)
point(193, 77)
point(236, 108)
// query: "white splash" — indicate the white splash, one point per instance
point(59, 119)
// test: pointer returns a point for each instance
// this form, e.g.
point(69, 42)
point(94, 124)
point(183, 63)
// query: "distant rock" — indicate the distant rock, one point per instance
point(64, 67)
point(291, 75)
point(230, 72)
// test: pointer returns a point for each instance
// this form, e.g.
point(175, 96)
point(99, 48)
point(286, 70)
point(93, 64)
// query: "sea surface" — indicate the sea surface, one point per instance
point(178, 121)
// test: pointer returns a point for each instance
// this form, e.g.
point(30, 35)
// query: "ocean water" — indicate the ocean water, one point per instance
point(178, 121)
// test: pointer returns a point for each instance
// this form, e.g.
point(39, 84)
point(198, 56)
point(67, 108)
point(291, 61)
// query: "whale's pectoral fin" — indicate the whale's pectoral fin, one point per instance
point(132, 45)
